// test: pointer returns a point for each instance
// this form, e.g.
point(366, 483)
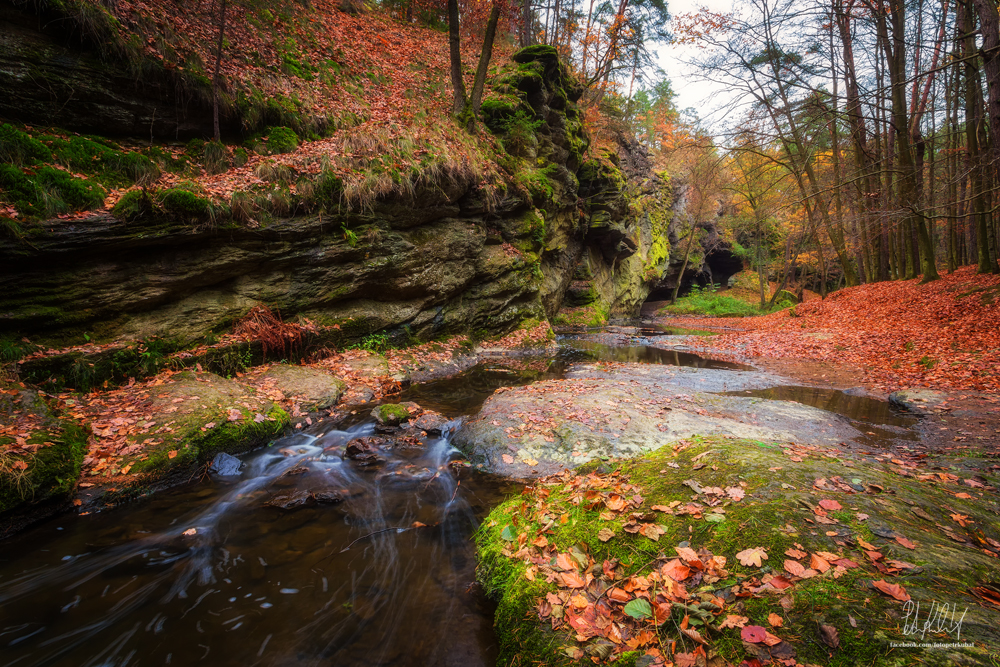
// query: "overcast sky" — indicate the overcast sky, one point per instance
point(690, 93)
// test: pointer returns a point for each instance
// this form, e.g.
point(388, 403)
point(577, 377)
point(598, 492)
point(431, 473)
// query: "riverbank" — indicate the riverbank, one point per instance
point(941, 335)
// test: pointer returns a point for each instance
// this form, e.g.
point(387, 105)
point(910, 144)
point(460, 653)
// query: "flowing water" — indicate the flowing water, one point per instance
point(365, 565)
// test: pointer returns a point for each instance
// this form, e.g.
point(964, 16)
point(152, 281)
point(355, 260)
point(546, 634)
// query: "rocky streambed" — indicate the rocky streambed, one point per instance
point(350, 540)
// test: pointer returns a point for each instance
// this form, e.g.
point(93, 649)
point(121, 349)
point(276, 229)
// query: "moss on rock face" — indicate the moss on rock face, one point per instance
point(724, 496)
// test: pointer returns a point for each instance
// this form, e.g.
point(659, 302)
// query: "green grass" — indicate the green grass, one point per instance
point(707, 302)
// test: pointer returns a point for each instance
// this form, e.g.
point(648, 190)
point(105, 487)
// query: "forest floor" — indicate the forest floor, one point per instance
point(941, 335)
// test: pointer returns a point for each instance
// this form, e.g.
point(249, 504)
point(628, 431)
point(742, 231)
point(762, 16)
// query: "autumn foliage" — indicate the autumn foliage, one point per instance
point(903, 334)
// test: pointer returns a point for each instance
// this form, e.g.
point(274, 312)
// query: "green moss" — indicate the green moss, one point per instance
point(183, 203)
point(52, 470)
point(279, 140)
point(536, 52)
point(771, 517)
point(19, 148)
point(193, 446)
point(133, 205)
point(391, 413)
point(45, 191)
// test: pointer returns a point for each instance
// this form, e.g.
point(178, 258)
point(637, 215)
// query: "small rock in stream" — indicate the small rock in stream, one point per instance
point(226, 465)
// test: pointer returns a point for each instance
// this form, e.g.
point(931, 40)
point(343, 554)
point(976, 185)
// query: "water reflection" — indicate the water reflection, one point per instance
point(643, 354)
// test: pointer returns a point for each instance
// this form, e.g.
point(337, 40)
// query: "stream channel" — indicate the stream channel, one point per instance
point(209, 573)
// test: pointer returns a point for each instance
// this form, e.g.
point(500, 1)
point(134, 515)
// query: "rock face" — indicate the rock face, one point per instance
point(60, 84)
point(443, 262)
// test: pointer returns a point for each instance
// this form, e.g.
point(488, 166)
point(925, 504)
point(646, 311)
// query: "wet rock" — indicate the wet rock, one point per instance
point(363, 448)
point(328, 497)
point(918, 401)
point(365, 451)
point(294, 499)
point(226, 465)
point(433, 423)
point(297, 470)
point(391, 414)
point(288, 500)
point(538, 429)
point(315, 388)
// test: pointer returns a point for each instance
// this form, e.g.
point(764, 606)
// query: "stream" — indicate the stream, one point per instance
point(377, 569)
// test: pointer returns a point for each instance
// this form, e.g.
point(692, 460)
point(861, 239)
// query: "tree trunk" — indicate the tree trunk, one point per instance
point(217, 77)
point(454, 43)
point(526, 39)
point(907, 192)
point(687, 255)
point(485, 56)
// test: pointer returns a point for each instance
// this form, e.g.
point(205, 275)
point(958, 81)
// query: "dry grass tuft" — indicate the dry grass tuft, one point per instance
point(263, 325)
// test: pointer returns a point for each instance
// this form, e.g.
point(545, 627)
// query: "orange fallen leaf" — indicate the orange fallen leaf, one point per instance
point(892, 590)
point(775, 620)
point(172, 453)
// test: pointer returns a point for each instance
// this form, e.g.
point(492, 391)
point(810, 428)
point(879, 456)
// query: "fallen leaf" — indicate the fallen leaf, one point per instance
point(605, 534)
point(829, 635)
point(687, 554)
point(819, 563)
point(639, 608)
point(752, 557)
point(733, 621)
point(831, 505)
point(754, 634)
point(172, 453)
point(190, 531)
point(774, 620)
point(794, 568)
point(905, 542)
point(892, 590)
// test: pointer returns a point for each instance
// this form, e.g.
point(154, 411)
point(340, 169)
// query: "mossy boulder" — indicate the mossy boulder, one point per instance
point(830, 522)
point(40, 458)
point(314, 388)
point(194, 416)
point(183, 203)
point(391, 414)
point(537, 52)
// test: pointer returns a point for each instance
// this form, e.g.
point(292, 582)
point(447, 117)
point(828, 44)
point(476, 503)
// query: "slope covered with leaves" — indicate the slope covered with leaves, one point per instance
point(944, 334)
point(362, 99)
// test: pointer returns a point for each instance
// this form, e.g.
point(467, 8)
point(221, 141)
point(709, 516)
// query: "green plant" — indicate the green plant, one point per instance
point(518, 131)
point(349, 236)
point(214, 157)
point(374, 342)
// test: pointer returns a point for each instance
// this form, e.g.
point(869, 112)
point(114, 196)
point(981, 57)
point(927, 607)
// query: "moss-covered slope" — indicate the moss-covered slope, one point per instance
point(838, 537)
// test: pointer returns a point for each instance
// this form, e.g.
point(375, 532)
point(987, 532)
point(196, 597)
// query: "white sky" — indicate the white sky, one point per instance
point(690, 93)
